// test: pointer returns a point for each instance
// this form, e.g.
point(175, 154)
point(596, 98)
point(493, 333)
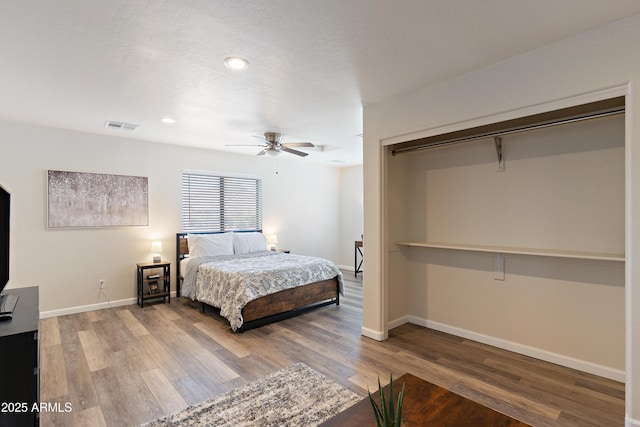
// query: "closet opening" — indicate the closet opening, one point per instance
point(527, 256)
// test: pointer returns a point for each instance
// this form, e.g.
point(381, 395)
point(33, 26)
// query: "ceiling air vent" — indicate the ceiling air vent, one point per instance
point(120, 125)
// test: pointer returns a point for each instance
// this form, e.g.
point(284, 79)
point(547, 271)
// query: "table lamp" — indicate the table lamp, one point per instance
point(273, 240)
point(156, 250)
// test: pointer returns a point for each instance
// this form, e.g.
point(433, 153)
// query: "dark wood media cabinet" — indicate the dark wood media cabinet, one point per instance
point(20, 361)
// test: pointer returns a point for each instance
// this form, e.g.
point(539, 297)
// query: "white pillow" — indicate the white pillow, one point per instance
point(201, 245)
point(244, 243)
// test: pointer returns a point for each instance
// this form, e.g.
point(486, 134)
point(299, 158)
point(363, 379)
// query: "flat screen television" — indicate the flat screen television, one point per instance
point(7, 302)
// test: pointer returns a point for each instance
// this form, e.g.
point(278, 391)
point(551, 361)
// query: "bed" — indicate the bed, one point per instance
point(249, 284)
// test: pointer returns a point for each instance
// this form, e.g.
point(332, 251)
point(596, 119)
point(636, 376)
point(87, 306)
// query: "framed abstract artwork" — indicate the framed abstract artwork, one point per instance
point(87, 200)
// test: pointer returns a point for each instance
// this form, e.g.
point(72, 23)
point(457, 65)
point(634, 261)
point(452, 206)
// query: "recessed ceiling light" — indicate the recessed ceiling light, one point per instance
point(236, 63)
point(168, 120)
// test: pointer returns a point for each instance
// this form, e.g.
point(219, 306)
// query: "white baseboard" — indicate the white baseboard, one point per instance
point(558, 359)
point(630, 422)
point(375, 335)
point(346, 267)
point(400, 321)
point(91, 307)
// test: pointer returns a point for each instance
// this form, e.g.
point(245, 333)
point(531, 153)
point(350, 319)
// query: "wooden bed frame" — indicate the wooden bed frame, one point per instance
point(273, 307)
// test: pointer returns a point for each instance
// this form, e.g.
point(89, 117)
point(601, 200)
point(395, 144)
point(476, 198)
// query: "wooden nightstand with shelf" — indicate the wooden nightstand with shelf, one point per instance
point(154, 281)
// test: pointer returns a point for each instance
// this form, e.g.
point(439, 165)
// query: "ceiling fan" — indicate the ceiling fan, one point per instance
point(273, 145)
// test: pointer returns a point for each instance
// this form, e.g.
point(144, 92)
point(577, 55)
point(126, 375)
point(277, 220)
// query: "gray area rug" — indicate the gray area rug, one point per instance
point(295, 396)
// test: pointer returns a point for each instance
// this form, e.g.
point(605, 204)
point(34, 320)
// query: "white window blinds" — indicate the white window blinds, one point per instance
point(214, 202)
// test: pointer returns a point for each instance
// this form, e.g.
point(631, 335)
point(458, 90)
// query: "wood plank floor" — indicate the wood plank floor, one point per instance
point(125, 366)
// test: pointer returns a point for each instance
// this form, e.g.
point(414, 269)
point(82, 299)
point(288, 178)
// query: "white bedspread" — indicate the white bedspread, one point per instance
point(230, 282)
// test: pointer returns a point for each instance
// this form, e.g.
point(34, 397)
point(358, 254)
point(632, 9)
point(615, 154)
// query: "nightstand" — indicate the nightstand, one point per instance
point(154, 281)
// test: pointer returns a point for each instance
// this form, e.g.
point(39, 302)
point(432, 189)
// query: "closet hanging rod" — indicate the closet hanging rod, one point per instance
point(511, 131)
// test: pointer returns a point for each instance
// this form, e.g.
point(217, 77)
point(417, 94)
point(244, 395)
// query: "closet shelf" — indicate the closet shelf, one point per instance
point(518, 251)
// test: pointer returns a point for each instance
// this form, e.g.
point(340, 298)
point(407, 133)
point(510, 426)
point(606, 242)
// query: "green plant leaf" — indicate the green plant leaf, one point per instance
point(391, 410)
point(389, 413)
point(383, 405)
point(398, 419)
point(376, 410)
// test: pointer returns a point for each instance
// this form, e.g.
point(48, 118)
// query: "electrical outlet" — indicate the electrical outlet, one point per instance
point(102, 283)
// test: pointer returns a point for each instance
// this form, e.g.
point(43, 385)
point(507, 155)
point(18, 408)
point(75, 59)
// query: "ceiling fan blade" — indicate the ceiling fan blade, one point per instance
point(245, 145)
point(262, 153)
point(296, 152)
point(298, 144)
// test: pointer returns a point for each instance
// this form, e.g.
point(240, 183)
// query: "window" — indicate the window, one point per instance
point(216, 202)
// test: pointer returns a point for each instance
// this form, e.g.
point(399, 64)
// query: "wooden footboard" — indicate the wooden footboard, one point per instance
point(288, 303)
point(292, 299)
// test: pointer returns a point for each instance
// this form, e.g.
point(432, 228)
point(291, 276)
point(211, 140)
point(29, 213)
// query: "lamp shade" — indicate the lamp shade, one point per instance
point(156, 247)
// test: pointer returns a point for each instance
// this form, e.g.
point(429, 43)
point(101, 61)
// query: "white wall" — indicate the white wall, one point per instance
point(561, 74)
point(301, 205)
point(351, 201)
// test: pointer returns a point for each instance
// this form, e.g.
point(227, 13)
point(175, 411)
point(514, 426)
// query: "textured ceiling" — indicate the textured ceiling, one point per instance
point(313, 63)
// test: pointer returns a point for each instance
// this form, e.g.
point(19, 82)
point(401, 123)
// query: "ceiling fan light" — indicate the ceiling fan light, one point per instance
point(236, 63)
point(272, 151)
